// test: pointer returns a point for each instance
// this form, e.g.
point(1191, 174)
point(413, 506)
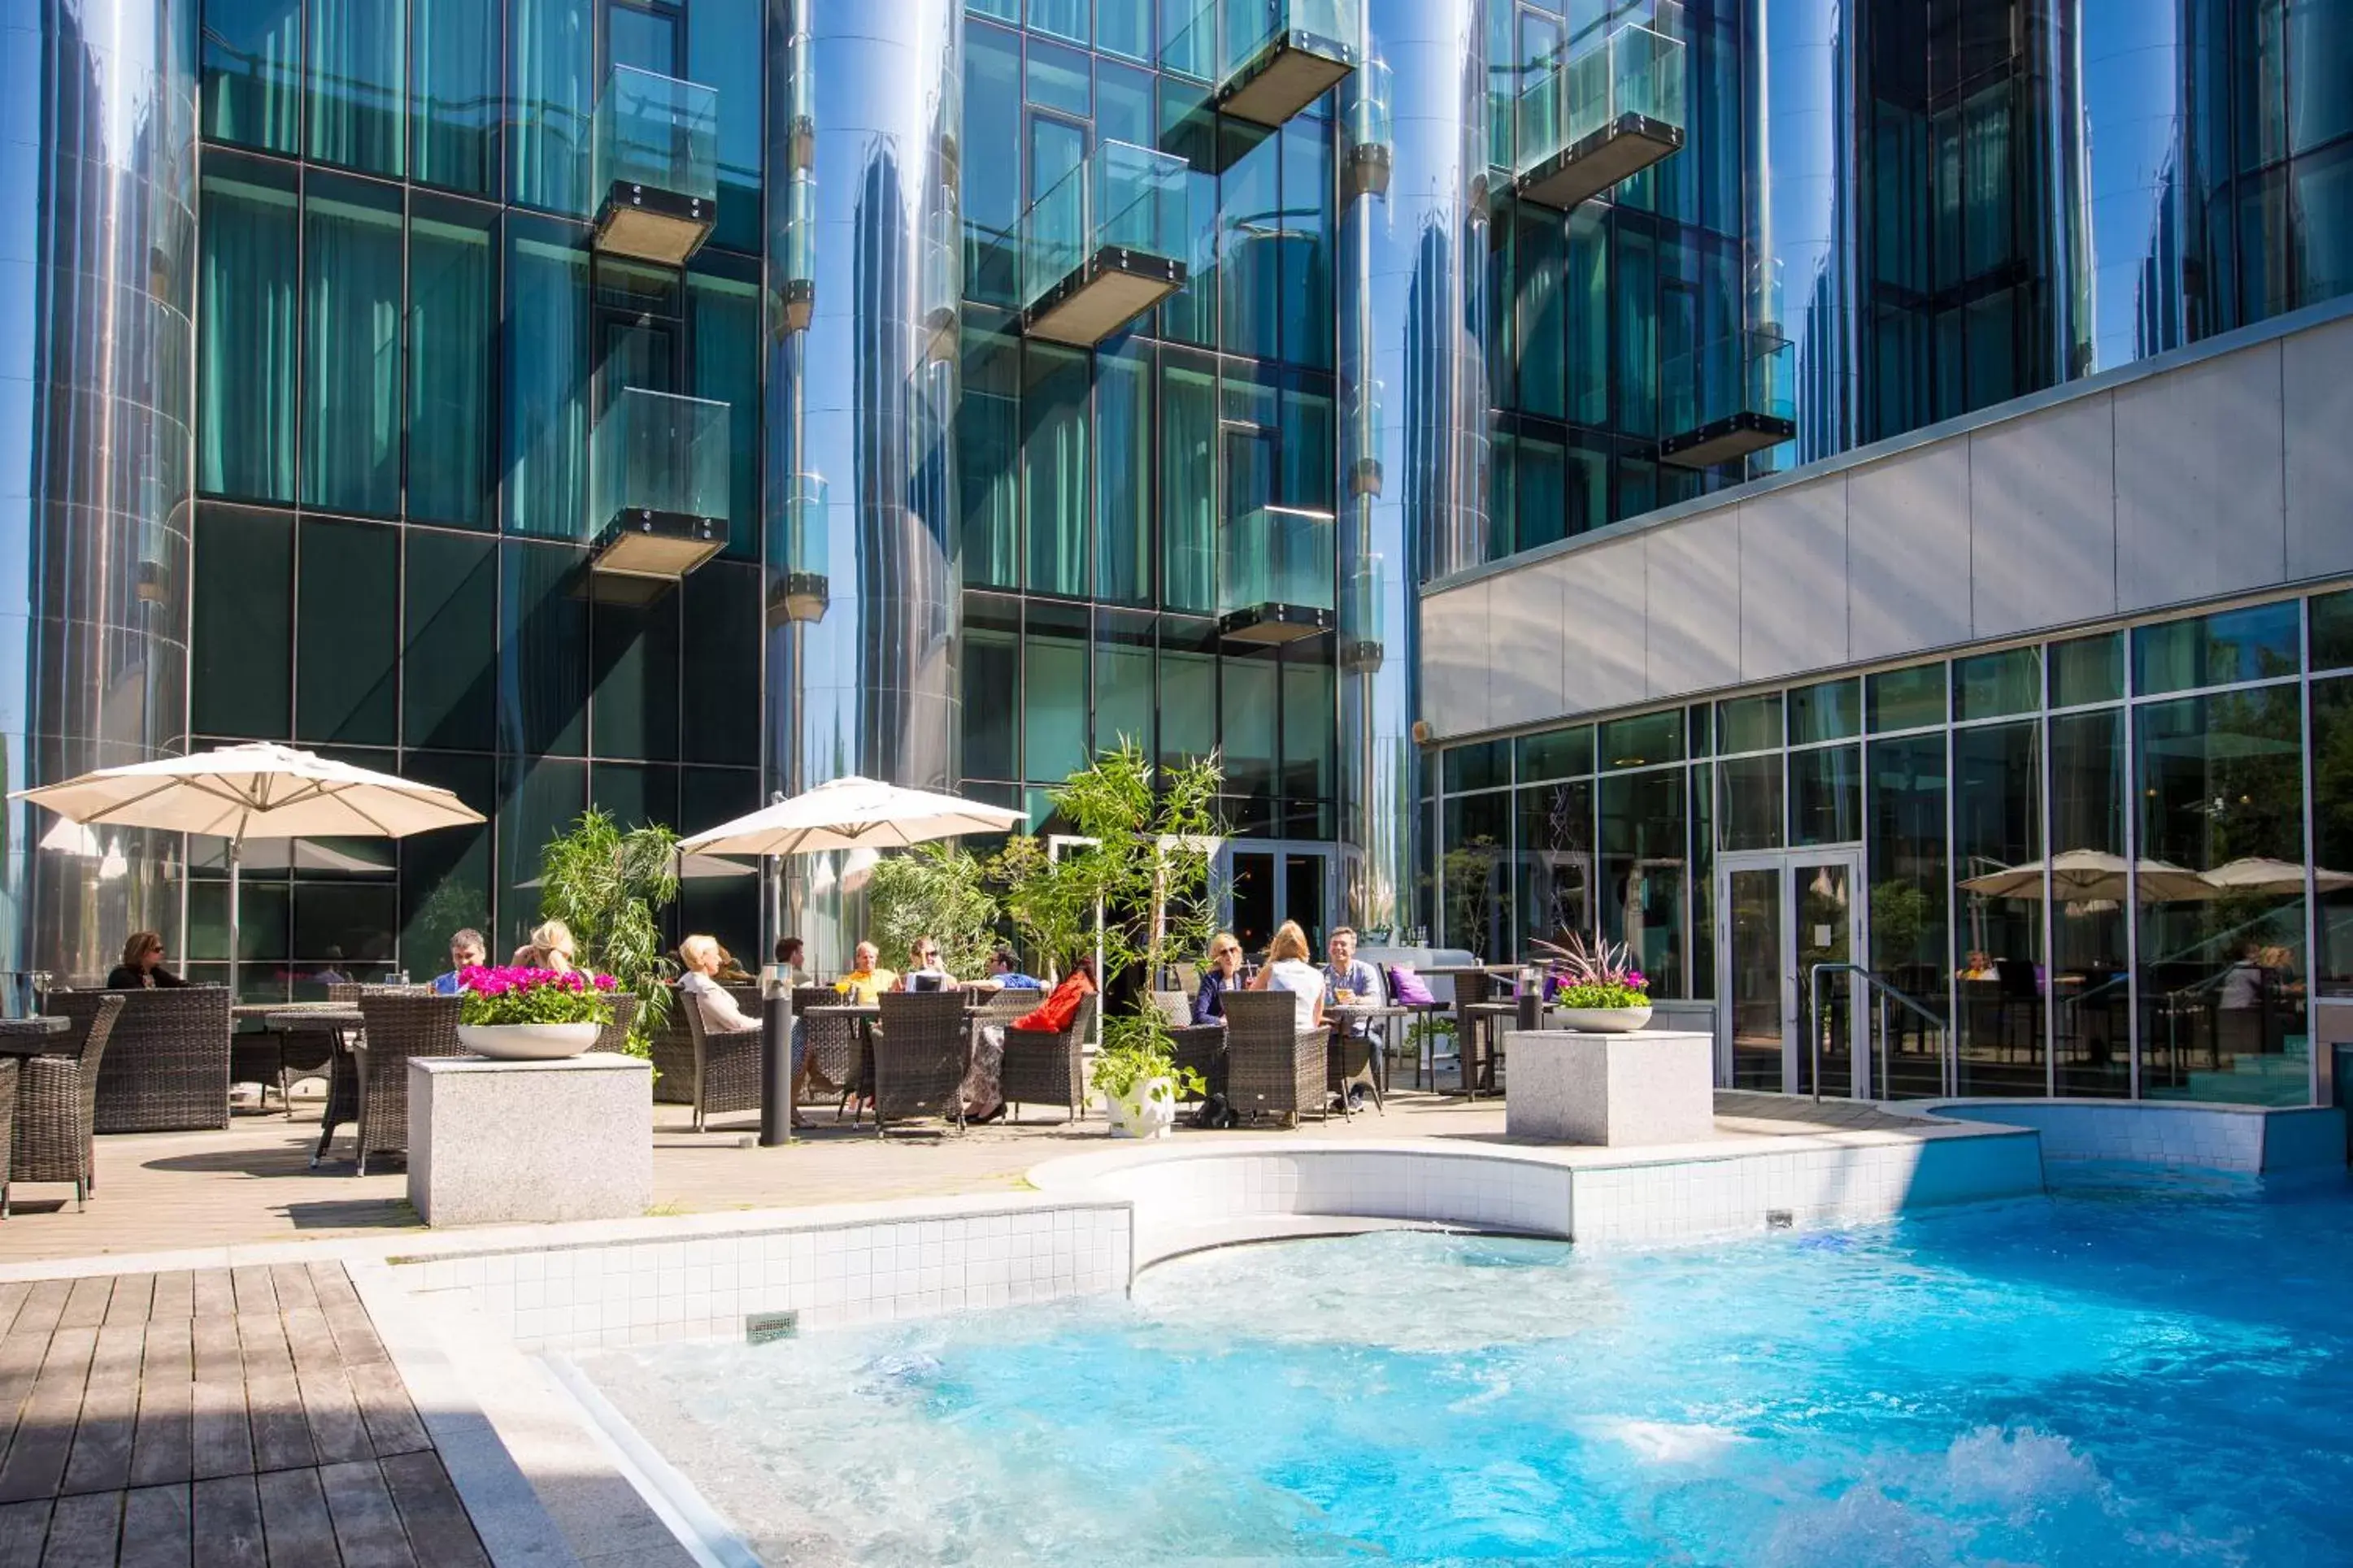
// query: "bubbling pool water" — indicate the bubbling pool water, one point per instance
point(2149, 1376)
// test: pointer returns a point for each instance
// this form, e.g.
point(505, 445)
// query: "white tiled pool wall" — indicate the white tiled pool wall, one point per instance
point(2205, 1137)
point(835, 1275)
point(1799, 1188)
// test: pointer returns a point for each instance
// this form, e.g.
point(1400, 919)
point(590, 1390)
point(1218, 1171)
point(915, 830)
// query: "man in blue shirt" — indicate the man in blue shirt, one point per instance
point(1006, 970)
point(467, 949)
point(1343, 972)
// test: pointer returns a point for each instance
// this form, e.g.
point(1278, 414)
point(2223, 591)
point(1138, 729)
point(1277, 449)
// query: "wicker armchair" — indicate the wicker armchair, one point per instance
point(167, 1061)
point(1477, 1067)
point(725, 1070)
point(1049, 1070)
point(922, 1052)
point(832, 1045)
point(396, 1029)
point(1273, 1068)
point(56, 1099)
point(615, 1035)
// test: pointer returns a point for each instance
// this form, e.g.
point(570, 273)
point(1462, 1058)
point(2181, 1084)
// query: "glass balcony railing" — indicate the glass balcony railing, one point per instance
point(1727, 398)
point(659, 483)
point(1100, 247)
point(1611, 110)
point(1267, 59)
point(655, 164)
point(1363, 616)
point(800, 584)
point(1275, 575)
point(1367, 131)
point(796, 281)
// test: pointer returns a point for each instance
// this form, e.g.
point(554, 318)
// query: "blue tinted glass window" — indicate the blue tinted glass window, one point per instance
point(253, 72)
point(241, 671)
point(453, 94)
point(551, 55)
point(1059, 79)
point(2252, 644)
point(347, 641)
point(724, 52)
point(453, 326)
point(358, 57)
point(352, 383)
point(1063, 18)
point(450, 641)
point(246, 374)
point(547, 375)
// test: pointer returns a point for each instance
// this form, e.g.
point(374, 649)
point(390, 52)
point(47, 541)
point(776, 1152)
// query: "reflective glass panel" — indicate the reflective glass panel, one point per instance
point(1998, 947)
point(347, 633)
point(1054, 442)
point(1189, 690)
point(1643, 740)
point(1993, 684)
point(543, 649)
point(1830, 711)
point(1123, 503)
point(1555, 875)
point(241, 673)
point(358, 53)
point(547, 379)
point(1826, 795)
point(449, 650)
point(1906, 699)
point(1643, 850)
point(992, 687)
point(453, 324)
point(253, 72)
point(1054, 686)
point(454, 97)
point(1556, 753)
point(2252, 644)
point(550, 58)
point(2332, 826)
point(2332, 628)
point(1123, 709)
point(2091, 978)
point(633, 664)
point(446, 876)
point(1905, 849)
point(1749, 723)
point(1484, 765)
point(989, 472)
point(720, 626)
point(246, 374)
point(2087, 670)
point(1751, 814)
point(1477, 915)
point(352, 391)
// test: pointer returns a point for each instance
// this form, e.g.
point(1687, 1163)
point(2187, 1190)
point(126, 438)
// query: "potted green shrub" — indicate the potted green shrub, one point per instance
point(514, 1014)
point(1597, 987)
point(1139, 1079)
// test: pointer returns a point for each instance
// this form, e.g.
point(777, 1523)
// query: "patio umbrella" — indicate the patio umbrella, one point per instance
point(2081, 876)
point(851, 814)
point(259, 791)
point(2257, 874)
point(689, 869)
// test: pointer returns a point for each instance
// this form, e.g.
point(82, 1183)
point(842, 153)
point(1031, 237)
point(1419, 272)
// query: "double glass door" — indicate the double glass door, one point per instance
point(1268, 883)
point(1785, 913)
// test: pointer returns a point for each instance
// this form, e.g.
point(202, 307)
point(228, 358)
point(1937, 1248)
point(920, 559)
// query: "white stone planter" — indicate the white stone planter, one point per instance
point(527, 1042)
point(1604, 1020)
point(1614, 1088)
point(1149, 1112)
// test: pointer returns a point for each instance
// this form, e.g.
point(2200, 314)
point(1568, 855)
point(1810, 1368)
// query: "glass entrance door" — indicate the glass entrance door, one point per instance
point(1785, 913)
point(1267, 883)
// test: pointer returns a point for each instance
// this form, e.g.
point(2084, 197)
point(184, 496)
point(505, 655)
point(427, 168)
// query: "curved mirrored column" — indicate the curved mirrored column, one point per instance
point(96, 259)
point(863, 379)
point(1413, 453)
point(1799, 188)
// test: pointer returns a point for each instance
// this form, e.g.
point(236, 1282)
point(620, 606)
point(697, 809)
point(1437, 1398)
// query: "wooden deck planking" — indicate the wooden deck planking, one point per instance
point(246, 1417)
point(164, 1448)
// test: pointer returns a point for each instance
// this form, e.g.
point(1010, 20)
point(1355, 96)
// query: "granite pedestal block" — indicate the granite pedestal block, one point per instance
point(1616, 1089)
point(493, 1142)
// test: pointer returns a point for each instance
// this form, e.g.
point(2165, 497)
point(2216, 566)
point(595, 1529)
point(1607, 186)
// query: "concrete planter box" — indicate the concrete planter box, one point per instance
point(498, 1142)
point(1653, 1087)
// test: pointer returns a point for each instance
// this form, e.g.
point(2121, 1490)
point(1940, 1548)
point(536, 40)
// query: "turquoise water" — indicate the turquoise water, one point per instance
point(2141, 1374)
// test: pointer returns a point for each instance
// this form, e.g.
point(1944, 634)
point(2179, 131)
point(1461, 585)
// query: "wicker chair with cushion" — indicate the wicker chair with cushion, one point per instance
point(832, 1044)
point(396, 1029)
point(167, 1062)
point(1049, 1070)
point(57, 1097)
point(724, 1074)
point(921, 1051)
point(1273, 1068)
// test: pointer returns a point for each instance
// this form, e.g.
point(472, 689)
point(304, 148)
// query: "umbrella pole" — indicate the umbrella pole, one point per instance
point(235, 848)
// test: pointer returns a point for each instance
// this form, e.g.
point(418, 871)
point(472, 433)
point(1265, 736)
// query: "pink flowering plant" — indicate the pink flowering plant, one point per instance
point(512, 994)
point(1595, 973)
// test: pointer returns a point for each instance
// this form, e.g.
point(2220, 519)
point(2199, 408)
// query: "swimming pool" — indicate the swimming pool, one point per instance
point(2148, 1372)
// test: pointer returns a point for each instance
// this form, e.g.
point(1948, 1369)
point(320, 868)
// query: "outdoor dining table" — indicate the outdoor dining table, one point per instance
point(31, 1036)
point(1485, 1017)
point(340, 1024)
point(268, 1044)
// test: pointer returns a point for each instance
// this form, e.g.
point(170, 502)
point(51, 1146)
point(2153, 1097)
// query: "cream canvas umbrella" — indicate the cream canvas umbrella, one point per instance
point(2259, 874)
point(259, 791)
point(2085, 876)
point(851, 814)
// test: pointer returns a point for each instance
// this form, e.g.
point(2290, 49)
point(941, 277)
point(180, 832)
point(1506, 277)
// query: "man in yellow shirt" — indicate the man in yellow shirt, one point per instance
point(867, 978)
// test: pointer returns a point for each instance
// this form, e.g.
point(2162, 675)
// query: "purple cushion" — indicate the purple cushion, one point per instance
point(1408, 989)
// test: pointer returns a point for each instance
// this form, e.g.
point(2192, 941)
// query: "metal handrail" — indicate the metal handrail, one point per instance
point(1884, 992)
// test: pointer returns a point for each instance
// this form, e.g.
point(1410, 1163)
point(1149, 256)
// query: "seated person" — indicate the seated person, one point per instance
point(551, 947)
point(1005, 972)
point(788, 959)
point(929, 972)
point(1287, 969)
point(467, 951)
point(141, 968)
point(984, 1099)
point(1223, 974)
point(699, 988)
point(1345, 973)
point(867, 978)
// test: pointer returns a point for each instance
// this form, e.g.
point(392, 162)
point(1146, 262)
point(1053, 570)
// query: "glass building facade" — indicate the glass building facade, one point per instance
point(323, 444)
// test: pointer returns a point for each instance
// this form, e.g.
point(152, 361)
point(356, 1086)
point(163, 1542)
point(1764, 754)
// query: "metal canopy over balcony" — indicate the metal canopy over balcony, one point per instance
point(1613, 109)
point(1274, 57)
point(800, 587)
point(1726, 399)
point(656, 166)
point(658, 494)
point(1274, 575)
point(1098, 249)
